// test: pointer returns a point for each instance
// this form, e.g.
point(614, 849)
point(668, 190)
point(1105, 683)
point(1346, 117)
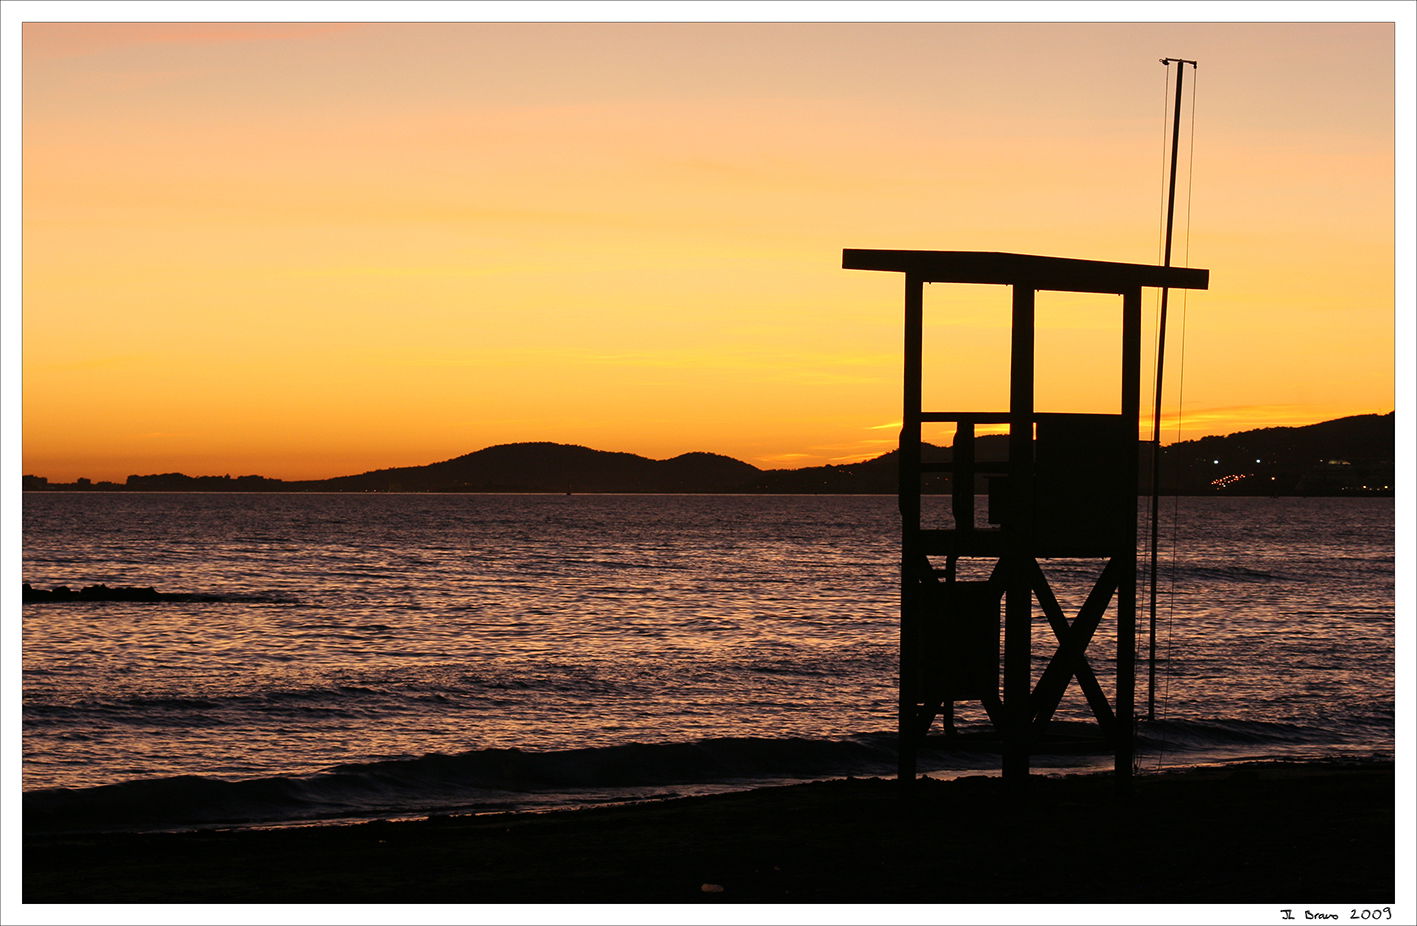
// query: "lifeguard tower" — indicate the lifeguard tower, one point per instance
point(1068, 488)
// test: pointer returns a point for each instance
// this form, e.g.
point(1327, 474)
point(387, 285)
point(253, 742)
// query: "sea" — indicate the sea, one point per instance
point(390, 656)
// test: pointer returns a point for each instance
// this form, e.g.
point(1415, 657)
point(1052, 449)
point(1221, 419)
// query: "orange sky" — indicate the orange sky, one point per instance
point(310, 250)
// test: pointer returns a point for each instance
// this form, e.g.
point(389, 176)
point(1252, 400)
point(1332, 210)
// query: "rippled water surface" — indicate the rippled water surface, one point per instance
point(382, 628)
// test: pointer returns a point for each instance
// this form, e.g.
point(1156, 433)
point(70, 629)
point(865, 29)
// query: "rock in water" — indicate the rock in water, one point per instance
point(98, 592)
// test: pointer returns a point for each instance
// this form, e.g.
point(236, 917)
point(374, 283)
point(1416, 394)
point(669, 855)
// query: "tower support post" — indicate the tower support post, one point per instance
point(1127, 554)
point(912, 556)
point(1018, 569)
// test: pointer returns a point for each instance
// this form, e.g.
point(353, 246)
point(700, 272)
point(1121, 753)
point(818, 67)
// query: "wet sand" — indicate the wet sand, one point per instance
point(1284, 834)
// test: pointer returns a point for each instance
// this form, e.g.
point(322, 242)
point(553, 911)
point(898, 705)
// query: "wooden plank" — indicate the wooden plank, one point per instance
point(971, 417)
point(962, 485)
point(1127, 553)
point(1024, 270)
point(990, 541)
point(1018, 577)
point(908, 499)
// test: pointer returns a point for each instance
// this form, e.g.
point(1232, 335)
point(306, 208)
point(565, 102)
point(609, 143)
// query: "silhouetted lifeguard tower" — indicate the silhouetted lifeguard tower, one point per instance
point(1067, 489)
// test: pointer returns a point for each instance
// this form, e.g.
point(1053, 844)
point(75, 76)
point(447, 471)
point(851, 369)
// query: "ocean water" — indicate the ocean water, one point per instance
point(353, 656)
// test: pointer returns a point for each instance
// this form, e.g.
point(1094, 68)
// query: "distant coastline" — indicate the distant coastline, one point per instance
point(1350, 456)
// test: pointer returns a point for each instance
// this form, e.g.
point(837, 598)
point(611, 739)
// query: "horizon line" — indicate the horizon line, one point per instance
point(865, 459)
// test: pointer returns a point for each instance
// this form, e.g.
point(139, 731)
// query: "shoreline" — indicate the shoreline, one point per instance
point(1277, 832)
point(59, 489)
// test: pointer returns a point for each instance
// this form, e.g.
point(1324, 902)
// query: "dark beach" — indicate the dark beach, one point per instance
point(1276, 833)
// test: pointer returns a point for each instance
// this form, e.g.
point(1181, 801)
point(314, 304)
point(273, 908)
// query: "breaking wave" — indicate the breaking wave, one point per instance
point(487, 780)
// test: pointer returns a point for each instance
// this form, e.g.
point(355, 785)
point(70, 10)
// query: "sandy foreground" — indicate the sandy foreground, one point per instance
point(1286, 834)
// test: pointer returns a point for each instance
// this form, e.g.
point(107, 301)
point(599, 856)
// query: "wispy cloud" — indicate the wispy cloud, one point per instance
point(838, 453)
point(1227, 419)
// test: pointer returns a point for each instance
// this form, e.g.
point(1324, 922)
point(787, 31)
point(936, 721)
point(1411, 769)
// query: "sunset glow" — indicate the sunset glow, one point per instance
point(311, 250)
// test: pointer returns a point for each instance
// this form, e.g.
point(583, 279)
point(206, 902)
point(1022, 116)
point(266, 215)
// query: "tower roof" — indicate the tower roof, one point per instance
point(1034, 271)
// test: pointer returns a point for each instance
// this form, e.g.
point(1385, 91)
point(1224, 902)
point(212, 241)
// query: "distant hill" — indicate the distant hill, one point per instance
point(1352, 455)
point(548, 467)
point(1345, 456)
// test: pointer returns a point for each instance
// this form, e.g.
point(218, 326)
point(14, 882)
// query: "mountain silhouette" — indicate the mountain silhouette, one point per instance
point(548, 467)
point(1352, 455)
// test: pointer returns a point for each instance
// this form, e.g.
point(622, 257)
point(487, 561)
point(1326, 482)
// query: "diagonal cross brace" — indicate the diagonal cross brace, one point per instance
point(1070, 659)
